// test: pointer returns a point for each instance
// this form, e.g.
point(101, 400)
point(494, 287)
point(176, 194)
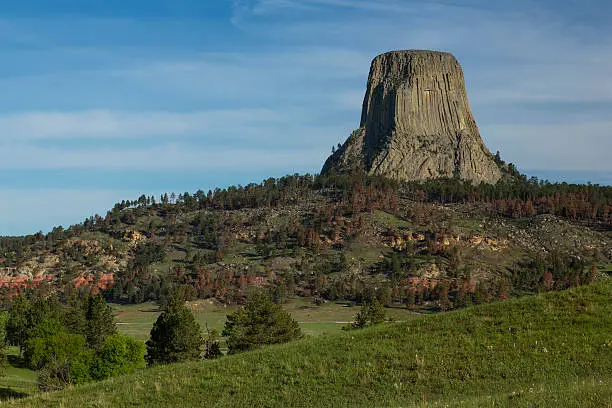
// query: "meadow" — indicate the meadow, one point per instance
point(137, 320)
point(547, 350)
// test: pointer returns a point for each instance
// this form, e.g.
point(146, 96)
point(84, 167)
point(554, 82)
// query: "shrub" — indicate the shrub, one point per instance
point(36, 348)
point(118, 355)
point(62, 359)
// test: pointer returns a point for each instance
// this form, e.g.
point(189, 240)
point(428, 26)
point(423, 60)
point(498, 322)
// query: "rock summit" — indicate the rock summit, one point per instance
point(416, 123)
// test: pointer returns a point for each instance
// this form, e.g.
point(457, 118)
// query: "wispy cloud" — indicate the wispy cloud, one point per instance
point(116, 124)
point(166, 156)
point(245, 8)
point(248, 74)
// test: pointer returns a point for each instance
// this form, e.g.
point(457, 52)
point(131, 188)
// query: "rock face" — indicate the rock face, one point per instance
point(416, 123)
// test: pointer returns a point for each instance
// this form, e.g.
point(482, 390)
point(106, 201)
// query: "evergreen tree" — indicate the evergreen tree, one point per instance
point(74, 318)
point(175, 336)
point(258, 323)
point(17, 326)
point(4, 316)
point(100, 322)
point(212, 345)
point(43, 310)
point(371, 313)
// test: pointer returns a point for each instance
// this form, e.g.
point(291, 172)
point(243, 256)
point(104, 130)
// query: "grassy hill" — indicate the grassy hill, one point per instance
point(546, 350)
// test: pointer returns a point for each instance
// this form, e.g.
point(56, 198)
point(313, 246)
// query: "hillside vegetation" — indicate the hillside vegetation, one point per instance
point(437, 245)
point(551, 349)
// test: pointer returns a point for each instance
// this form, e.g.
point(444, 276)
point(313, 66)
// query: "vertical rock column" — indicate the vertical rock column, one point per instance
point(416, 123)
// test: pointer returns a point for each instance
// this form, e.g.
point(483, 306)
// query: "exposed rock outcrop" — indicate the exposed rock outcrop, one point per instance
point(416, 123)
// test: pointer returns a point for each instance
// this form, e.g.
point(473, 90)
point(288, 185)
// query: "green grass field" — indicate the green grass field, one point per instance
point(550, 350)
point(137, 320)
point(16, 381)
point(606, 268)
point(387, 220)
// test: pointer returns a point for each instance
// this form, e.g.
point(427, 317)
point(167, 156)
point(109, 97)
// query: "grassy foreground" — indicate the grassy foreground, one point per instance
point(547, 350)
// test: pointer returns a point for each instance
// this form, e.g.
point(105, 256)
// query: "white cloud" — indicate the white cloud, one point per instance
point(245, 8)
point(167, 156)
point(116, 124)
point(269, 78)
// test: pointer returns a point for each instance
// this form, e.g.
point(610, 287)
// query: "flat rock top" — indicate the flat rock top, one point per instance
point(413, 63)
point(411, 56)
point(416, 52)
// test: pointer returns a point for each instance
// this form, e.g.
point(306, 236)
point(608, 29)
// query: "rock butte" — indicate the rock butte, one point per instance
point(416, 123)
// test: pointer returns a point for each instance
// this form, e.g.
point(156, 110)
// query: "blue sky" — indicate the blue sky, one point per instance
point(105, 100)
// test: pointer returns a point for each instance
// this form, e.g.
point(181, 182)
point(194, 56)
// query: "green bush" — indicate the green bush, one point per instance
point(70, 345)
point(35, 349)
point(118, 355)
point(62, 359)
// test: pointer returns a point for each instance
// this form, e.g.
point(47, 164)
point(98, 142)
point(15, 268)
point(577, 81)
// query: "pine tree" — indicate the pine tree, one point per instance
point(377, 312)
point(100, 321)
point(17, 325)
point(212, 345)
point(175, 336)
point(260, 322)
point(371, 313)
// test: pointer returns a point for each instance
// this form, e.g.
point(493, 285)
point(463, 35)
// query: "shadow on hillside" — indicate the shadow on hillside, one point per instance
point(9, 393)
point(16, 361)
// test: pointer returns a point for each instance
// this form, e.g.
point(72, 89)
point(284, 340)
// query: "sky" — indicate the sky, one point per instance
point(103, 101)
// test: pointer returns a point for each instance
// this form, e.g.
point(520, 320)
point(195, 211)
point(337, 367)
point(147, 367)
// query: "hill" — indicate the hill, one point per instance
point(442, 244)
point(545, 350)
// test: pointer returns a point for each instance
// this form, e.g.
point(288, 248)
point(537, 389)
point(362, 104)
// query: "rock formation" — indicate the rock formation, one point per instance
point(416, 123)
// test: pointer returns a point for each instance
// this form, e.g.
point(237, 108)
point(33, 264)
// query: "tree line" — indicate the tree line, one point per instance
point(70, 343)
point(77, 342)
point(515, 195)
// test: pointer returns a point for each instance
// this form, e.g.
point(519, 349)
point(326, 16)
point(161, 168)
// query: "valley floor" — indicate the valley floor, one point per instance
point(137, 320)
